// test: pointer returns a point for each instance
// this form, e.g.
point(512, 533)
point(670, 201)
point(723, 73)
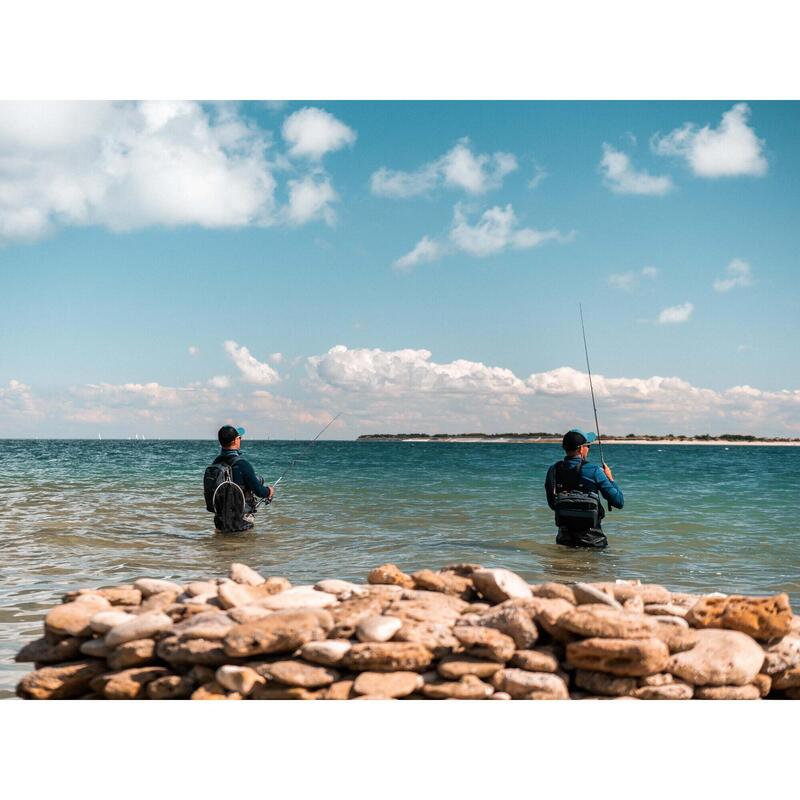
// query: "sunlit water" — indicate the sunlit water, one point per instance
point(91, 513)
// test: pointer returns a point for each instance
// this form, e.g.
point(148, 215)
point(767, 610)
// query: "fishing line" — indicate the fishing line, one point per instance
point(591, 387)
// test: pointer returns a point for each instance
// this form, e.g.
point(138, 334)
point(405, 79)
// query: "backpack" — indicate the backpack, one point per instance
point(225, 498)
point(575, 509)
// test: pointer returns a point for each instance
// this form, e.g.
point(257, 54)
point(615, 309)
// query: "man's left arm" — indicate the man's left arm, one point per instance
point(608, 488)
point(252, 482)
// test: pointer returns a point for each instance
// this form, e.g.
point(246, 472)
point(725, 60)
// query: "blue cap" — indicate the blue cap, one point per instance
point(574, 438)
point(240, 431)
point(228, 434)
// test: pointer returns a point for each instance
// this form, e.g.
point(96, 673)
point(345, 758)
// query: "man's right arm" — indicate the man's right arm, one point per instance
point(549, 488)
point(248, 474)
point(609, 489)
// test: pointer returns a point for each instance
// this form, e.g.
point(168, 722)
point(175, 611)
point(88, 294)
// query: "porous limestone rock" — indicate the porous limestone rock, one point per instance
point(388, 684)
point(104, 621)
point(150, 586)
point(485, 642)
point(600, 620)
point(587, 593)
point(387, 657)
point(455, 667)
point(144, 626)
point(510, 620)
point(603, 683)
point(446, 582)
point(238, 679)
point(327, 652)
point(338, 690)
point(94, 648)
point(436, 636)
point(390, 574)
point(782, 655)
point(282, 632)
point(60, 682)
point(242, 614)
point(788, 679)
point(524, 685)
point(666, 609)
point(763, 618)
point(666, 691)
point(634, 604)
point(73, 619)
point(535, 660)
point(343, 590)
point(241, 573)
point(498, 584)
point(298, 597)
point(206, 625)
point(160, 601)
point(377, 628)
point(467, 688)
point(720, 658)
point(554, 590)
point(648, 592)
point(232, 594)
point(208, 652)
point(747, 692)
point(132, 654)
point(43, 651)
point(130, 684)
point(170, 687)
point(624, 657)
point(294, 672)
point(196, 588)
point(214, 691)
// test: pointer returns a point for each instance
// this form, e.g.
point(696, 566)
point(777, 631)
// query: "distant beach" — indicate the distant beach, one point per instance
point(554, 440)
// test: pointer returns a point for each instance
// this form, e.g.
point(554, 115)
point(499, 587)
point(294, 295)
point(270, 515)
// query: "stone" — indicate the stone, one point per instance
point(763, 618)
point(44, 652)
point(464, 569)
point(748, 692)
point(241, 573)
point(213, 691)
point(763, 683)
point(73, 619)
point(104, 621)
point(94, 648)
point(272, 691)
point(586, 593)
point(603, 683)
point(438, 600)
point(635, 605)
point(512, 621)
point(500, 696)
point(524, 685)
point(170, 687)
point(485, 642)
point(659, 679)
point(343, 590)
point(666, 691)
point(648, 592)
point(387, 684)
point(160, 601)
point(207, 625)
point(437, 637)
point(782, 655)
point(130, 684)
point(497, 585)
point(670, 619)
point(446, 582)
point(624, 657)
point(788, 679)
point(116, 595)
point(208, 652)
point(200, 674)
point(666, 609)
point(476, 608)
point(151, 586)
point(328, 652)
point(793, 694)
point(347, 614)
point(60, 682)
point(677, 639)
point(281, 632)
point(196, 588)
point(238, 679)
point(338, 690)
point(467, 688)
point(554, 590)
point(294, 672)
point(423, 610)
point(298, 597)
point(720, 658)
point(387, 657)
point(243, 614)
point(455, 667)
point(232, 594)
point(601, 620)
point(378, 628)
point(535, 660)
point(132, 654)
point(391, 575)
point(144, 626)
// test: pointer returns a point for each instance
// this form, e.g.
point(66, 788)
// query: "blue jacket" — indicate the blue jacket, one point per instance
point(593, 479)
point(243, 473)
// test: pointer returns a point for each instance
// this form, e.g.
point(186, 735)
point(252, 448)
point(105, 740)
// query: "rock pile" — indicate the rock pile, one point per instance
point(463, 632)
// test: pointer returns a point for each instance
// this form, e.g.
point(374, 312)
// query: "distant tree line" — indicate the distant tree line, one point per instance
point(705, 437)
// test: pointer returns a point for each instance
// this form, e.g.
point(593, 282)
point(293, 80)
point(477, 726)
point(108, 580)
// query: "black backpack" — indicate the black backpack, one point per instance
point(225, 498)
point(575, 509)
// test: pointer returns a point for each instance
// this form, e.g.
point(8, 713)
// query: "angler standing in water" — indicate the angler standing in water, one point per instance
point(573, 486)
point(230, 485)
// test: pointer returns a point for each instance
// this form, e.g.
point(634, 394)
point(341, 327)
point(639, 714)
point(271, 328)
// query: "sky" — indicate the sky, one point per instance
point(171, 267)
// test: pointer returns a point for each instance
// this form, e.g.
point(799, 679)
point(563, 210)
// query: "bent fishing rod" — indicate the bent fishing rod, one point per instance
point(591, 388)
point(295, 459)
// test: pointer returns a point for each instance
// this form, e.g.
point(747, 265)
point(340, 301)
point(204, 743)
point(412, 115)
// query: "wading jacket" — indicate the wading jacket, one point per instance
point(593, 481)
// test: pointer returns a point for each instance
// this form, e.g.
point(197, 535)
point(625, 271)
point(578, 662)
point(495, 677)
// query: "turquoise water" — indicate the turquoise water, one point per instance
point(83, 513)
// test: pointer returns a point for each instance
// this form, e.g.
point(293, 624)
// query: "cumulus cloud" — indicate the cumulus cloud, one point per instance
point(130, 165)
point(622, 178)
point(628, 281)
point(310, 198)
point(16, 398)
point(219, 382)
point(253, 370)
point(729, 150)
point(676, 314)
point(313, 132)
point(425, 250)
point(459, 168)
point(737, 274)
point(276, 358)
point(193, 350)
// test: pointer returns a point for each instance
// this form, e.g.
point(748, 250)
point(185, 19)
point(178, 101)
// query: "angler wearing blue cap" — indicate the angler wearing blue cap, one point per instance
point(230, 484)
point(573, 487)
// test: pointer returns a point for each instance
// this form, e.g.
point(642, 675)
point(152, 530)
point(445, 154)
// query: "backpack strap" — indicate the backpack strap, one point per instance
point(569, 479)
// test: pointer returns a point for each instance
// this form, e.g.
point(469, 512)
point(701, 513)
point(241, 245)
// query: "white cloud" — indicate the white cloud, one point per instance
point(193, 350)
point(622, 178)
point(425, 250)
point(495, 231)
point(675, 314)
point(253, 370)
point(628, 281)
point(538, 176)
point(17, 399)
point(275, 358)
point(459, 168)
point(219, 382)
point(310, 198)
point(130, 165)
point(729, 150)
point(313, 132)
point(737, 274)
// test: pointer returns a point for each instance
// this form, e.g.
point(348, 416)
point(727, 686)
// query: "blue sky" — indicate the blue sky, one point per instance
point(136, 240)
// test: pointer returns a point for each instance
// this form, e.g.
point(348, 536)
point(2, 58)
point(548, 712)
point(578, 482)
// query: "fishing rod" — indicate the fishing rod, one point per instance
point(591, 388)
point(295, 459)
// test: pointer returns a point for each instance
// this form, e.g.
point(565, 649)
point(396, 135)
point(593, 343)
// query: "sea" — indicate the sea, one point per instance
point(95, 513)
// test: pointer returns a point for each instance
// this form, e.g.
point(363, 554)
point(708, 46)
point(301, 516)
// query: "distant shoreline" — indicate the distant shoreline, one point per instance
point(516, 439)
